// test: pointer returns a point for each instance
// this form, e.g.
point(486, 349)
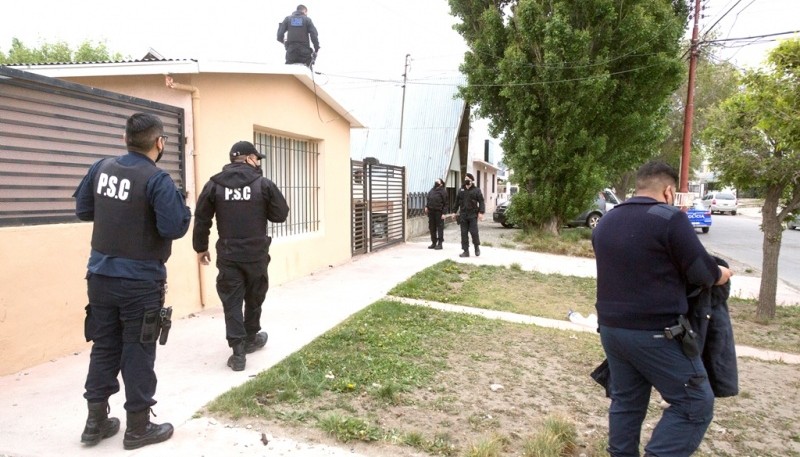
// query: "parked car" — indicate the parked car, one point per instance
point(499, 214)
point(605, 200)
point(721, 202)
point(699, 216)
point(793, 223)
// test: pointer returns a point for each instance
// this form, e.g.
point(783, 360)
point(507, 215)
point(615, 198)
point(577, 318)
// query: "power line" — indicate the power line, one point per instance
point(723, 17)
point(768, 35)
point(425, 82)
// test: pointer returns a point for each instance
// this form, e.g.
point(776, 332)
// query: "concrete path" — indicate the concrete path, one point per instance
point(42, 411)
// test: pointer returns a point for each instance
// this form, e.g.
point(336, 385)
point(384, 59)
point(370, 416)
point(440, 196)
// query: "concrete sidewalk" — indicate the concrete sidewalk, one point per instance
point(42, 411)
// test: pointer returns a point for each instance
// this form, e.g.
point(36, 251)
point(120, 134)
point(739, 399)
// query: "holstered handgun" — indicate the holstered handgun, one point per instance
point(689, 343)
point(684, 333)
point(165, 319)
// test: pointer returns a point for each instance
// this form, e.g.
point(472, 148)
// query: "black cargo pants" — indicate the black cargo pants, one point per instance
point(242, 283)
point(114, 324)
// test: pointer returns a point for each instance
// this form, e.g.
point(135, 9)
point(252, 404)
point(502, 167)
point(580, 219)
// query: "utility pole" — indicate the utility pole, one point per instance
point(403, 104)
point(689, 111)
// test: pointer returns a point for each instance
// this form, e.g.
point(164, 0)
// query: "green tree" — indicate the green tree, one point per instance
point(754, 140)
point(577, 89)
point(56, 52)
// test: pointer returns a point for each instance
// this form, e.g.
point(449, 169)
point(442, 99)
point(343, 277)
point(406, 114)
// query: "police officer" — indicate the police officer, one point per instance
point(294, 33)
point(243, 201)
point(137, 211)
point(471, 208)
point(648, 255)
point(435, 208)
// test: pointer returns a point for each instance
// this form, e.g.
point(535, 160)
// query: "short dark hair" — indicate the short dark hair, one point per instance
point(142, 131)
point(655, 172)
point(302, 8)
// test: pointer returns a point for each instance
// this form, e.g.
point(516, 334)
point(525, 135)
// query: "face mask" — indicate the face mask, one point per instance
point(160, 154)
point(467, 182)
point(256, 163)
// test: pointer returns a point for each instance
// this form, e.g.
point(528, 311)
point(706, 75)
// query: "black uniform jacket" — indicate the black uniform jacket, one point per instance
point(243, 201)
point(469, 202)
point(437, 199)
point(710, 318)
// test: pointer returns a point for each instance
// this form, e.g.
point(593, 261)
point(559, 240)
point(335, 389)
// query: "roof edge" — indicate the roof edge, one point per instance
point(175, 67)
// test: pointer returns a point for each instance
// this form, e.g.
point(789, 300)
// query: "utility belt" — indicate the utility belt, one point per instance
point(156, 323)
point(685, 334)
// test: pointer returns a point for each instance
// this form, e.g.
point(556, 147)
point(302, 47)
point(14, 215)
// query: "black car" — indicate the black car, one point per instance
point(499, 214)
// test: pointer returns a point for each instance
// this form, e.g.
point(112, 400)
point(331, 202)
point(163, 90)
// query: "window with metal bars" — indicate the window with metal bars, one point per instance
point(293, 165)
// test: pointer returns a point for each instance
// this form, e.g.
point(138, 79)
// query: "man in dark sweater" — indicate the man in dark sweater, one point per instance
point(242, 201)
point(647, 253)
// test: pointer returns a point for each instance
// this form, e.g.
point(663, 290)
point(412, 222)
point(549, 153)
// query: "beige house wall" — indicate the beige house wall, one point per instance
point(43, 292)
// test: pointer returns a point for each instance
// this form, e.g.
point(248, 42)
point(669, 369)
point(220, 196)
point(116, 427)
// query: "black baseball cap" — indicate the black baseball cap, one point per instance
point(244, 148)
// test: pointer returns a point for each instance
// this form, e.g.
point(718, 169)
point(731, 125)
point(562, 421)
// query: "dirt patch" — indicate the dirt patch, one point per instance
point(505, 383)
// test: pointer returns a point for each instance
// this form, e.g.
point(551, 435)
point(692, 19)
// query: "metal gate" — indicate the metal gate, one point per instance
point(378, 206)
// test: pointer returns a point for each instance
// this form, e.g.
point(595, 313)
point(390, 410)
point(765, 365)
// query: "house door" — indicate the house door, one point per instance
point(377, 206)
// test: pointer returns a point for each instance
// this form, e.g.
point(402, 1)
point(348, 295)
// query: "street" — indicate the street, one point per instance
point(740, 238)
point(737, 238)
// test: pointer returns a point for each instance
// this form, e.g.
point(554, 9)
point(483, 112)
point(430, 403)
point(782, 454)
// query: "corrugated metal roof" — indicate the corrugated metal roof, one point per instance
point(431, 117)
point(145, 60)
point(151, 56)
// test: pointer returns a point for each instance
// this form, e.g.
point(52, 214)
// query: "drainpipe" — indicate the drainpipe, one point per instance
point(195, 159)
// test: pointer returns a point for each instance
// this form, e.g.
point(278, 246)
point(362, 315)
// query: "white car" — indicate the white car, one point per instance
point(721, 202)
point(793, 223)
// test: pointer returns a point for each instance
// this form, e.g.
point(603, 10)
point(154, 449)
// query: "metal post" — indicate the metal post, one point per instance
point(689, 111)
point(403, 104)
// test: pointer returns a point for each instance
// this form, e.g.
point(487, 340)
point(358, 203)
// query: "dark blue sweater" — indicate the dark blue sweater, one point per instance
point(647, 253)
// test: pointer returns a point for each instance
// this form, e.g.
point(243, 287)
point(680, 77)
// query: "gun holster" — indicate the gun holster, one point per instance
point(156, 324)
point(165, 318)
point(684, 333)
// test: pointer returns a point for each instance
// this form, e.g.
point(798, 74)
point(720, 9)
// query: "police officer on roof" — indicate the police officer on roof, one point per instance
point(137, 211)
point(243, 201)
point(294, 33)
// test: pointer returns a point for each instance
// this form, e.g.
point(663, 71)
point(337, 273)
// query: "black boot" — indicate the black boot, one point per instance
point(432, 246)
point(141, 432)
point(465, 253)
point(98, 424)
point(238, 360)
point(255, 342)
point(438, 246)
point(477, 250)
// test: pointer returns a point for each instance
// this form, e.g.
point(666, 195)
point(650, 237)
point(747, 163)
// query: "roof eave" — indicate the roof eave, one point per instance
point(173, 67)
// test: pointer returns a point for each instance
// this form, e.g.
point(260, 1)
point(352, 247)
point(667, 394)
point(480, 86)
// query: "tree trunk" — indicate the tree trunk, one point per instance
point(623, 184)
point(551, 226)
point(773, 231)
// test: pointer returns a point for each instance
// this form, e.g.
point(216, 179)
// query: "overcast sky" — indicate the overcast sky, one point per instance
point(364, 42)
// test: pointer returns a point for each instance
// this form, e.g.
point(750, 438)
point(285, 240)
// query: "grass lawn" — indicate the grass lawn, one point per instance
point(403, 380)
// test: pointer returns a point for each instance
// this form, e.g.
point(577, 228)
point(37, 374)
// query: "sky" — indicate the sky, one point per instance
point(364, 43)
point(745, 18)
point(361, 40)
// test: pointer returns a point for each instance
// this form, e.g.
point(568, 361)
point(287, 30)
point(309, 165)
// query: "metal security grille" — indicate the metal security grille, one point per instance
point(379, 203)
point(293, 165)
point(52, 131)
point(387, 205)
point(358, 209)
